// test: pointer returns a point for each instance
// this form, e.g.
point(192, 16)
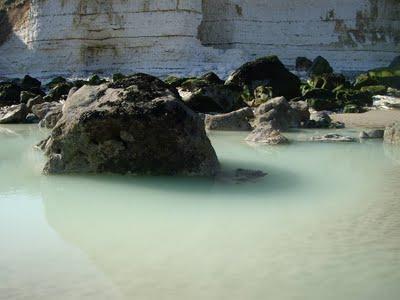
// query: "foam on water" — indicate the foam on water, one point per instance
point(324, 224)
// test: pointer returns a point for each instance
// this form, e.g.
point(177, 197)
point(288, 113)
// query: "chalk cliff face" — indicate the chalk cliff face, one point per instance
point(47, 37)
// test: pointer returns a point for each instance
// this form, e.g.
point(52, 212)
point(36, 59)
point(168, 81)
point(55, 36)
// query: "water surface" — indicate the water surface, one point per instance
point(324, 224)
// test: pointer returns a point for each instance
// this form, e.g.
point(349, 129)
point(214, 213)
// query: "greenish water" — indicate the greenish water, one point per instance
point(324, 224)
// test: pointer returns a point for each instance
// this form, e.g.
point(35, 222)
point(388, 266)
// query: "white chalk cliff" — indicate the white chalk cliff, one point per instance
point(48, 37)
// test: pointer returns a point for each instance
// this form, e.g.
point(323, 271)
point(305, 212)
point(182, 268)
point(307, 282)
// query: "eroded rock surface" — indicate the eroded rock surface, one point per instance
point(136, 125)
point(234, 121)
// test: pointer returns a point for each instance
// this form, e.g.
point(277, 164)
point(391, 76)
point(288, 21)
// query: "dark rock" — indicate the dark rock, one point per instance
point(96, 80)
point(10, 93)
point(303, 64)
point(13, 114)
point(118, 76)
point(355, 97)
point(320, 66)
point(175, 82)
point(245, 175)
point(135, 125)
point(56, 81)
point(267, 71)
point(233, 121)
point(212, 78)
point(31, 84)
point(31, 119)
point(392, 134)
point(395, 62)
point(372, 134)
point(320, 104)
point(201, 96)
point(58, 92)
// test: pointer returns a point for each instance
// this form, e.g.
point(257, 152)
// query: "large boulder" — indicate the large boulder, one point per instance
point(267, 71)
point(233, 121)
point(392, 134)
point(13, 114)
point(136, 125)
point(204, 96)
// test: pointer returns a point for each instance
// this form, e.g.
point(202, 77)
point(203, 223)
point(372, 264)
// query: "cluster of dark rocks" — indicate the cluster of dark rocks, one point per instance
point(26, 100)
point(144, 125)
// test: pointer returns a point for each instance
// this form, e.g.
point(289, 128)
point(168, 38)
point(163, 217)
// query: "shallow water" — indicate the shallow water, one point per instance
point(324, 224)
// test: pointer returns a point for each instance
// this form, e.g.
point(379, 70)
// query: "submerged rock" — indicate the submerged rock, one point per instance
point(392, 134)
point(136, 125)
point(233, 121)
point(245, 175)
point(372, 134)
point(332, 137)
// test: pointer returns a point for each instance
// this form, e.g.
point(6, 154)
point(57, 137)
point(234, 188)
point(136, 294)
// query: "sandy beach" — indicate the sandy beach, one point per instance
point(370, 119)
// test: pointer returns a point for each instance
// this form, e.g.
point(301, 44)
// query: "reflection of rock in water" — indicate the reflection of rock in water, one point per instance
point(392, 152)
point(147, 235)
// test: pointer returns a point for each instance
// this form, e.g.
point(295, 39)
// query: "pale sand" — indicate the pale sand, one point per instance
point(370, 119)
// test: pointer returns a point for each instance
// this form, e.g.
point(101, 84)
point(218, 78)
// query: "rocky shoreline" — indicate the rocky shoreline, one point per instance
point(144, 125)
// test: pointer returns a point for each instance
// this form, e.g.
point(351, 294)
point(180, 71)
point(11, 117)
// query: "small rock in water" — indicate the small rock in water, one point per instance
point(332, 137)
point(372, 134)
point(266, 134)
point(392, 134)
point(245, 175)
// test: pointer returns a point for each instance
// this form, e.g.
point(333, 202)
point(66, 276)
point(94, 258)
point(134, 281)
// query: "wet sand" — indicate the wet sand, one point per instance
point(370, 119)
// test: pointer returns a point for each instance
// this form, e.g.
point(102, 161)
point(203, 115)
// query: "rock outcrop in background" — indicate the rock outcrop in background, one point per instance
point(49, 37)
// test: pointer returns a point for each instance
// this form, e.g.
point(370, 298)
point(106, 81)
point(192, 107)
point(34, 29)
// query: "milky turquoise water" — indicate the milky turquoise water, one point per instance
point(324, 224)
